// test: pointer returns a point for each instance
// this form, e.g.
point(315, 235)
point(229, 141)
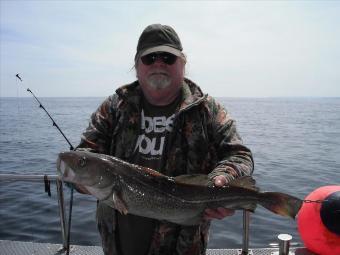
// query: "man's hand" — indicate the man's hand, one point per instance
point(220, 212)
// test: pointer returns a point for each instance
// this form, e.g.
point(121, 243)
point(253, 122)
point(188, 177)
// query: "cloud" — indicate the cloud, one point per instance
point(262, 48)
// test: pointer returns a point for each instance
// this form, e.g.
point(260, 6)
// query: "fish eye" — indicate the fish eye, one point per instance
point(82, 161)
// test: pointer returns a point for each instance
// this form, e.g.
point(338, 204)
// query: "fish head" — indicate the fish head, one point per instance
point(81, 167)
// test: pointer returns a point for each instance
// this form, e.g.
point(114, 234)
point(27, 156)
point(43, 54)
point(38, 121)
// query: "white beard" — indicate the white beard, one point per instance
point(159, 81)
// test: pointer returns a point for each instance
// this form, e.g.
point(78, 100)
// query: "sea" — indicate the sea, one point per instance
point(295, 144)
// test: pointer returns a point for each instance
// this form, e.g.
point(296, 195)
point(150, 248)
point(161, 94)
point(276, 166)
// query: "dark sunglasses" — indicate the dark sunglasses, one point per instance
point(166, 57)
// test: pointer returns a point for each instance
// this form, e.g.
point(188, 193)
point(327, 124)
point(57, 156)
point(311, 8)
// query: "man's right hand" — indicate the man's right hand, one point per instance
point(218, 213)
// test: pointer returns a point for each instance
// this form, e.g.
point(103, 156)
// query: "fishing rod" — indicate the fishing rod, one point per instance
point(71, 148)
point(42, 107)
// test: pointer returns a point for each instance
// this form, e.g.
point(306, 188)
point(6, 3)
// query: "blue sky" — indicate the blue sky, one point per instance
point(234, 48)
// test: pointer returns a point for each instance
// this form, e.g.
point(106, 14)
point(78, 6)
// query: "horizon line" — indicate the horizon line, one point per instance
point(208, 94)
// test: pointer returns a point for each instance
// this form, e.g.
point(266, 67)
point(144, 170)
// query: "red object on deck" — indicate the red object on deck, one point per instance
point(320, 231)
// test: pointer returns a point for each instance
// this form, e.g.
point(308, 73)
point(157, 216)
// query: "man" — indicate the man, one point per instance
point(165, 122)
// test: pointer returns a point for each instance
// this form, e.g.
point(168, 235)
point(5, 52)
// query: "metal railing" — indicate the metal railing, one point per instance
point(46, 179)
point(60, 195)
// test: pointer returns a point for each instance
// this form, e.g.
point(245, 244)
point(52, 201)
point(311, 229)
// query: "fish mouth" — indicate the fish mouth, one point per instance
point(66, 172)
point(62, 166)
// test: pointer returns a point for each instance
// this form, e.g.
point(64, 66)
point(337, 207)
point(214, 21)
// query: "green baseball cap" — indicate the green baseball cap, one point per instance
point(158, 37)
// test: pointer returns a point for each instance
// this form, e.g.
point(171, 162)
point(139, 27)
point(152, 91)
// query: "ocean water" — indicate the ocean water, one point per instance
point(295, 142)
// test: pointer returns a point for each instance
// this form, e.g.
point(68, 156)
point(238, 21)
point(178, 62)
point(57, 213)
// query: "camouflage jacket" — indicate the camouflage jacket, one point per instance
point(204, 140)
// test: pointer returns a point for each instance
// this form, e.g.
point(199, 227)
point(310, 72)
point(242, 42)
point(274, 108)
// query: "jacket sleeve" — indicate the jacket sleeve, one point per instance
point(98, 134)
point(235, 159)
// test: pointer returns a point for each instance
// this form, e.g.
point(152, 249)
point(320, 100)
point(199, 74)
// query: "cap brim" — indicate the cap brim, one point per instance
point(163, 48)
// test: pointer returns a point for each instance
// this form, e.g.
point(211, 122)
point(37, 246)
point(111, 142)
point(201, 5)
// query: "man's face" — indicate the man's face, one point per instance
point(159, 78)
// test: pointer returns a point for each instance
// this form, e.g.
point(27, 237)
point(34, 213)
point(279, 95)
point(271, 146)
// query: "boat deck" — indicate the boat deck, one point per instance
point(8, 247)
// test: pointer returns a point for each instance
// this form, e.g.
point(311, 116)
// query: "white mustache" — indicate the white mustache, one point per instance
point(159, 82)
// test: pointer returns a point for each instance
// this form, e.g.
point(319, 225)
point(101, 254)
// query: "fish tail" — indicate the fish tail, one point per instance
point(280, 203)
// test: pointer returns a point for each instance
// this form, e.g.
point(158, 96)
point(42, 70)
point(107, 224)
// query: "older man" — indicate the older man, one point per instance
point(165, 122)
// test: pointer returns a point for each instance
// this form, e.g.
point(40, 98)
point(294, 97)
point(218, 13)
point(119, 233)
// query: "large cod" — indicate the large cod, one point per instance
point(145, 192)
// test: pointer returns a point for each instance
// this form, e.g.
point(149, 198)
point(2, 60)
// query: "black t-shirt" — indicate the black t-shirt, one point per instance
point(135, 232)
point(156, 122)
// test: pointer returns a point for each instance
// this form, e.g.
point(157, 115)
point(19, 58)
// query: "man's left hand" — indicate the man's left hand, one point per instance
point(220, 212)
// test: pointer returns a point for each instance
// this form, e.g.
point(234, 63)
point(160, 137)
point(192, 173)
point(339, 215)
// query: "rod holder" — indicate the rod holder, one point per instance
point(62, 212)
point(245, 245)
point(284, 243)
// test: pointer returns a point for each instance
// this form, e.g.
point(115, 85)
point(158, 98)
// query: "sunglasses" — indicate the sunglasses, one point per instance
point(165, 57)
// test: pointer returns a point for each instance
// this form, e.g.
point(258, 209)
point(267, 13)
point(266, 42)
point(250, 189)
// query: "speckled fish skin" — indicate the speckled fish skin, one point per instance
point(142, 191)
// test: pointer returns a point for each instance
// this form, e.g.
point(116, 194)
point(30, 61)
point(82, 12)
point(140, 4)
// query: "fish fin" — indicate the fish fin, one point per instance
point(249, 207)
point(246, 182)
point(195, 220)
point(194, 179)
point(280, 203)
point(150, 171)
point(119, 203)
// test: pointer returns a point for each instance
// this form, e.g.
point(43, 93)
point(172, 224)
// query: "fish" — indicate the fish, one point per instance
point(182, 199)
